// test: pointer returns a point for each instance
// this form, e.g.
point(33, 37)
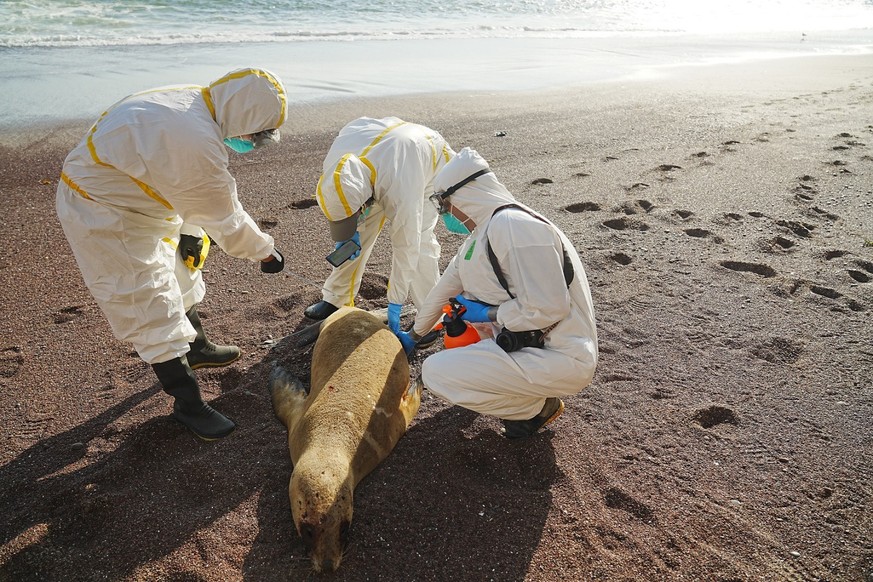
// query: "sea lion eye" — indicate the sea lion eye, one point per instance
point(344, 533)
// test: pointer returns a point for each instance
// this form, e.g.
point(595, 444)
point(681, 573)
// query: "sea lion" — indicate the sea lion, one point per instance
point(360, 403)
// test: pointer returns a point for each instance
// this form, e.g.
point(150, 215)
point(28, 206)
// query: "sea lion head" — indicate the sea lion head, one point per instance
point(321, 504)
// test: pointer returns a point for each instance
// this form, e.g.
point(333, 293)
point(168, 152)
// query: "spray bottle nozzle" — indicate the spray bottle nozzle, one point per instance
point(458, 333)
point(453, 310)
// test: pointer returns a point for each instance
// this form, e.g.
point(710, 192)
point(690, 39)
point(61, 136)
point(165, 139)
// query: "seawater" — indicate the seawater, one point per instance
point(66, 23)
point(70, 59)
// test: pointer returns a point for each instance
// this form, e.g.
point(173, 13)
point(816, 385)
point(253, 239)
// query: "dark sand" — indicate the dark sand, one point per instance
point(725, 217)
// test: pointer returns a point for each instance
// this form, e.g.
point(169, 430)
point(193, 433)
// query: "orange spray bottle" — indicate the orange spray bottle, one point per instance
point(458, 332)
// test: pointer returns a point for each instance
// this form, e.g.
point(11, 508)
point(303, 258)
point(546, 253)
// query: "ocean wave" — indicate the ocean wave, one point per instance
point(97, 23)
point(484, 31)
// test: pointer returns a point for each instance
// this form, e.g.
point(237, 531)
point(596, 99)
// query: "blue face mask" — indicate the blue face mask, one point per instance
point(240, 146)
point(453, 224)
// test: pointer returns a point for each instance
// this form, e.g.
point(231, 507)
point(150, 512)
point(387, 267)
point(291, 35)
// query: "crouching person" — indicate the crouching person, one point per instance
point(519, 273)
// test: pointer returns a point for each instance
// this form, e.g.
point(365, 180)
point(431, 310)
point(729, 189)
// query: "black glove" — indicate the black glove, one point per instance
point(275, 265)
point(191, 246)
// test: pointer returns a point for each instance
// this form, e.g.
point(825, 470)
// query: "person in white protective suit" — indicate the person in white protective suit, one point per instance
point(530, 302)
point(139, 199)
point(378, 170)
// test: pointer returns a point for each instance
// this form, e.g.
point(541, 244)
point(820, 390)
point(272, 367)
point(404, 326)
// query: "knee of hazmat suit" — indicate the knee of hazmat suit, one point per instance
point(155, 160)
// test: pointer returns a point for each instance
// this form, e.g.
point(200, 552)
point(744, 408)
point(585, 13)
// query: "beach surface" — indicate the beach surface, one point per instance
point(724, 214)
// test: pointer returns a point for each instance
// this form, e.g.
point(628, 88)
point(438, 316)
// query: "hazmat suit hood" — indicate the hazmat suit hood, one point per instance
point(477, 199)
point(246, 101)
point(342, 193)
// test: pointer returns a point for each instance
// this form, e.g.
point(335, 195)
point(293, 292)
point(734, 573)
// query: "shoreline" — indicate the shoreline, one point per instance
point(62, 84)
point(783, 74)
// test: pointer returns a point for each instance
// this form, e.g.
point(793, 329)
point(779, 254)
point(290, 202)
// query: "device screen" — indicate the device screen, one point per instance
point(342, 254)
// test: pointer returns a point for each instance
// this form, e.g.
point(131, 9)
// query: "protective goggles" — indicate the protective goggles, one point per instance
point(438, 199)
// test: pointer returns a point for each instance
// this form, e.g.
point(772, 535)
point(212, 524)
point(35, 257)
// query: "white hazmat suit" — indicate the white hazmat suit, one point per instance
point(389, 165)
point(481, 376)
point(152, 167)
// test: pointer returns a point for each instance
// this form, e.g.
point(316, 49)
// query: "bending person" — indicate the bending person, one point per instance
point(531, 298)
point(378, 170)
point(135, 198)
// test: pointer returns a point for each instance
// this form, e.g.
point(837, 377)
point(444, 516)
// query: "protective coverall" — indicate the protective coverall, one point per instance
point(388, 166)
point(152, 167)
point(483, 377)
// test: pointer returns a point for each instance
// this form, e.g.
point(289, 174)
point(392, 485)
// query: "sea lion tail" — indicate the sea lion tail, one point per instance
point(288, 395)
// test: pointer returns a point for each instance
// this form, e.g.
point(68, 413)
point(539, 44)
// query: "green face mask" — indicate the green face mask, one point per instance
point(453, 224)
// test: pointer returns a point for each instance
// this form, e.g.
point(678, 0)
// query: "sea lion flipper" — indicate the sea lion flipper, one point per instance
point(289, 395)
point(415, 388)
point(411, 399)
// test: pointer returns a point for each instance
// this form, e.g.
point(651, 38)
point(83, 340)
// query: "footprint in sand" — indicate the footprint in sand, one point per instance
point(800, 229)
point(827, 293)
point(615, 498)
point(862, 276)
point(817, 212)
point(68, 314)
point(702, 157)
point(625, 224)
point(303, 204)
point(11, 360)
point(664, 170)
point(859, 276)
point(778, 350)
point(683, 214)
point(755, 268)
point(636, 187)
point(541, 181)
point(804, 189)
point(621, 259)
point(727, 146)
point(779, 244)
point(267, 223)
point(703, 233)
point(634, 207)
point(830, 255)
point(729, 218)
point(582, 207)
point(714, 416)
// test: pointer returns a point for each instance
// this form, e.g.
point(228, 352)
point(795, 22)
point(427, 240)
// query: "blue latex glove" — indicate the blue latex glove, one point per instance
point(407, 342)
point(394, 318)
point(476, 312)
point(357, 238)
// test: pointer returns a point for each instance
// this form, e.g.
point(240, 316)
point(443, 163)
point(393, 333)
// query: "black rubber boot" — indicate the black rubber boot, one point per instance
point(178, 381)
point(428, 339)
point(519, 429)
point(320, 310)
point(204, 353)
